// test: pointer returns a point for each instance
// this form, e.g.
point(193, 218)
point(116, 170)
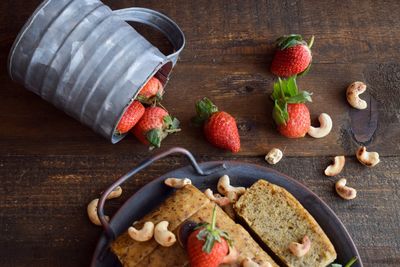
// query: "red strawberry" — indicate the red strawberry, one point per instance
point(290, 113)
point(207, 245)
point(131, 116)
point(219, 127)
point(298, 123)
point(154, 126)
point(152, 92)
point(292, 57)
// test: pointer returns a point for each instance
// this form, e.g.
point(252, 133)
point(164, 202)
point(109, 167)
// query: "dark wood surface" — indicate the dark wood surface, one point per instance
point(51, 166)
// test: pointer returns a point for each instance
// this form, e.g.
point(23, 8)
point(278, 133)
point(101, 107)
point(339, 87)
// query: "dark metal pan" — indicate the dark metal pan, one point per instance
point(206, 175)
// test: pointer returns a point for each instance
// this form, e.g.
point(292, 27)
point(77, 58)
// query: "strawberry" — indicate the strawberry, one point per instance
point(131, 116)
point(290, 113)
point(219, 127)
point(293, 56)
point(207, 245)
point(152, 92)
point(154, 126)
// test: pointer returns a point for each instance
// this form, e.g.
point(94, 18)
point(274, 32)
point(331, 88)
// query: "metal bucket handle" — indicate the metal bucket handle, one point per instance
point(100, 208)
point(159, 21)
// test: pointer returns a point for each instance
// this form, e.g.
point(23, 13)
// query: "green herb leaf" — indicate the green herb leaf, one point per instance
point(336, 265)
point(301, 97)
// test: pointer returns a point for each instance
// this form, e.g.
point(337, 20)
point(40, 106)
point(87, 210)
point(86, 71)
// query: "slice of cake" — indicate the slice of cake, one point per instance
point(278, 219)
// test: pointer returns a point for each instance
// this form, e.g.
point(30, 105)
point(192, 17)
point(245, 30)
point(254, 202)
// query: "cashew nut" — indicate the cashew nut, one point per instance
point(300, 249)
point(336, 167)
point(274, 156)
point(232, 192)
point(92, 206)
point(144, 234)
point(92, 212)
point(217, 198)
point(250, 263)
point(344, 191)
point(163, 236)
point(232, 256)
point(369, 159)
point(352, 94)
point(324, 129)
point(177, 183)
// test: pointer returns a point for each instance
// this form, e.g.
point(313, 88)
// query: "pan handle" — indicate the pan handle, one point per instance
point(100, 208)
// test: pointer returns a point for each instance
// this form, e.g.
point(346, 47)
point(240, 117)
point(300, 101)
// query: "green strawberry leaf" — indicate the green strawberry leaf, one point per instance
point(287, 41)
point(277, 91)
point(154, 137)
point(204, 109)
point(211, 234)
point(171, 124)
point(280, 113)
point(301, 97)
point(291, 86)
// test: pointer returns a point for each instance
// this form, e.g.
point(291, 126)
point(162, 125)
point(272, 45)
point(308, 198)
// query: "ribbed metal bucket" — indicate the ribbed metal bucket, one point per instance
point(88, 61)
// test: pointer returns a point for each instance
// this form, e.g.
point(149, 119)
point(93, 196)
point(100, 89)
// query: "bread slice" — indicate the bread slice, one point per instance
point(243, 242)
point(279, 219)
point(186, 203)
point(181, 205)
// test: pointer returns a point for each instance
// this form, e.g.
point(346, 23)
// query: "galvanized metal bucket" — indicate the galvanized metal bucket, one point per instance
point(88, 61)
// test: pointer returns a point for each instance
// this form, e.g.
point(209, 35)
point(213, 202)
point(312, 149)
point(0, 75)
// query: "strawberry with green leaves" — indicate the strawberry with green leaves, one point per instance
point(207, 245)
point(219, 127)
point(290, 113)
point(152, 92)
point(292, 57)
point(154, 126)
point(131, 116)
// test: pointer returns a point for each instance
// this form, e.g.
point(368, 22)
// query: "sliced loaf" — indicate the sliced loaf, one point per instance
point(279, 219)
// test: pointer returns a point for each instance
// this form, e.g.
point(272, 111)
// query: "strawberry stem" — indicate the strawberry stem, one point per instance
point(214, 218)
point(310, 44)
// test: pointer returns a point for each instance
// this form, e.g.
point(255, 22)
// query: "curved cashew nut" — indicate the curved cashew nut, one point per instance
point(177, 183)
point(250, 263)
point(336, 167)
point(300, 249)
point(324, 129)
point(92, 206)
point(274, 156)
point(144, 234)
point(232, 256)
point(369, 159)
point(344, 191)
point(163, 236)
point(217, 198)
point(352, 94)
point(229, 191)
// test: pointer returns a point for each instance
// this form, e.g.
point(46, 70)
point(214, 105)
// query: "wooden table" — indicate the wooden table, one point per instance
point(51, 166)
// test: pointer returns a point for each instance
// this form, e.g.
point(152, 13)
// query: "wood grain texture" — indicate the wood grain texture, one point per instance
point(51, 166)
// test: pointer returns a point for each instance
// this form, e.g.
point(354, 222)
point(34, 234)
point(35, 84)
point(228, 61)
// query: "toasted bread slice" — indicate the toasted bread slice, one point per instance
point(279, 219)
point(181, 205)
point(243, 242)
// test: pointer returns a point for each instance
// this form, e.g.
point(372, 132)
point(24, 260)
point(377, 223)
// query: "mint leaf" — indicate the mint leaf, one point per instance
point(154, 137)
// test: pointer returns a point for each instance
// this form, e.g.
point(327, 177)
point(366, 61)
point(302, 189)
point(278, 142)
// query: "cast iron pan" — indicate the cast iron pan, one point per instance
point(203, 176)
